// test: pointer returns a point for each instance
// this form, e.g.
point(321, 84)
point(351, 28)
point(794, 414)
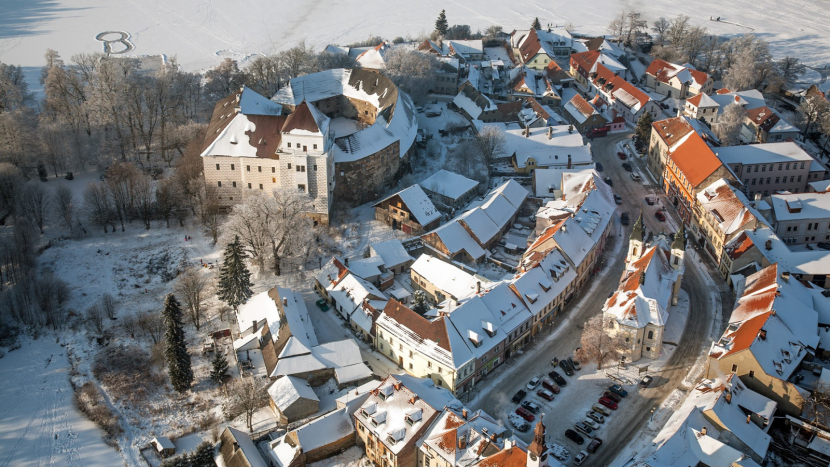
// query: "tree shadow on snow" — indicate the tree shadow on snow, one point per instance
point(21, 17)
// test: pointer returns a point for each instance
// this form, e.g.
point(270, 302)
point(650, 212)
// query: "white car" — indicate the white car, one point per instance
point(595, 416)
point(591, 423)
point(580, 457)
point(533, 383)
point(635, 177)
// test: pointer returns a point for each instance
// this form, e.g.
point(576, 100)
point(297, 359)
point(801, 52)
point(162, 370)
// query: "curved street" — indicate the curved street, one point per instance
point(494, 394)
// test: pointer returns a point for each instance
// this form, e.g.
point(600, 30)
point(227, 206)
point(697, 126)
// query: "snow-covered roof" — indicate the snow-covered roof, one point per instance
point(801, 206)
point(351, 291)
point(366, 267)
point(259, 308)
point(477, 429)
point(763, 153)
point(811, 262)
point(549, 146)
point(480, 224)
point(730, 207)
point(331, 273)
point(473, 102)
point(449, 184)
point(392, 252)
point(294, 348)
point(319, 432)
point(451, 279)
point(351, 373)
point(338, 354)
point(436, 396)
point(233, 140)
point(473, 322)
point(289, 389)
point(297, 316)
point(456, 239)
point(251, 103)
point(418, 203)
point(542, 283)
point(574, 242)
point(820, 186)
point(248, 448)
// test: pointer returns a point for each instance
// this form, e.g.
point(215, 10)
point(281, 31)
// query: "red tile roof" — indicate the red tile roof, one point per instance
point(583, 106)
point(586, 60)
point(435, 331)
point(695, 101)
point(740, 245)
point(763, 117)
point(513, 457)
point(530, 46)
point(301, 119)
point(695, 159)
point(609, 82)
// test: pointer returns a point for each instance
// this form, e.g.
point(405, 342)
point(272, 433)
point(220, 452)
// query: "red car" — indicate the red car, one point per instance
point(608, 403)
point(524, 413)
point(622, 155)
point(550, 385)
point(610, 395)
point(660, 216)
point(545, 394)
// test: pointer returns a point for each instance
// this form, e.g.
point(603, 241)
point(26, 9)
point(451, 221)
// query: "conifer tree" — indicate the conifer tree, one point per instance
point(234, 277)
point(536, 24)
point(643, 131)
point(220, 368)
point(419, 302)
point(178, 360)
point(441, 24)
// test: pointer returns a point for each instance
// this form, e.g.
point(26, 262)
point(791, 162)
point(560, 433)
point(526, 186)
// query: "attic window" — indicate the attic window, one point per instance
point(474, 338)
point(532, 297)
point(385, 392)
point(414, 417)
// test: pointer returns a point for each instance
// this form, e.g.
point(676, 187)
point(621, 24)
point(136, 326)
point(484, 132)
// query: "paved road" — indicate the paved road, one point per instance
point(619, 431)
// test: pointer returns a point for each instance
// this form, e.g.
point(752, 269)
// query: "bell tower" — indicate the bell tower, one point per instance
point(636, 242)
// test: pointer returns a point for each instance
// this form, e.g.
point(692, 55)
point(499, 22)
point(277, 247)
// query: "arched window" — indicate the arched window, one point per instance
point(650, 335)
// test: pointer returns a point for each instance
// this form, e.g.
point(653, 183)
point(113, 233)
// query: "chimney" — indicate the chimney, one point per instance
point(478, 287)
point(569, 161)
point(508, 444)
point(748, 418)
point(254, 326)
point(284, 301)
point(763, 334)
point(550, 132)
point(346, 261)
point(728, 396)
point(413, 399)
point(462, 442)
point(769, 244)
point(757, 197)
point(703, 431)
point(494, 437)
point(785, 275)
point(564, 228)
point(464, 413)
point(397, 385)
point(527, 132)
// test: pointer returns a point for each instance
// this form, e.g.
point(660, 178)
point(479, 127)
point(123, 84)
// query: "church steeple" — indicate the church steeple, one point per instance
point(636, 242)
point(538, 446)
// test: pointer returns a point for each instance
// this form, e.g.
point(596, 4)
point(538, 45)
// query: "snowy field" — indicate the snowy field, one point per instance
point(39, 425)
point(201, 33)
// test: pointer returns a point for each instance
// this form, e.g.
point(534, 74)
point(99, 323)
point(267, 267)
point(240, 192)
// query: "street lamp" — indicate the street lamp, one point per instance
point(652, 414)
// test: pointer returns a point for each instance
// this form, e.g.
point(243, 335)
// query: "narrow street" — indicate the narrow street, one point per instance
point(635, 410)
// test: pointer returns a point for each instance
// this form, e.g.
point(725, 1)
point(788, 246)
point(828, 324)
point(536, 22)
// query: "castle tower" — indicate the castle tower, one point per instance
point(636, 242)
point(536, 456)
point(678, 253)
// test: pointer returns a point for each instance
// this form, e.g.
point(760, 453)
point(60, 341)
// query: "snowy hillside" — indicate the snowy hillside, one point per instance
point(202, 33)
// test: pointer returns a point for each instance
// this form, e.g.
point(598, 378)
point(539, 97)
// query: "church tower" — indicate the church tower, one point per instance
point(636, 242)
point(536, 456)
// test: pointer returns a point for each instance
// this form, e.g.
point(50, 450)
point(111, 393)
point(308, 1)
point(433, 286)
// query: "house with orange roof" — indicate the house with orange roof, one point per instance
point(773, 327)
point(512, 455)
point(625, 99)
point(461, 438)
point(536, 48)
point(667, 134)
point(723, 212)
point(582, 115)
point(585, 65)
point(526, 82)
point(765, 125)
point(678, 81)
point(701, 107)
point(649, 287)
point(691, 166)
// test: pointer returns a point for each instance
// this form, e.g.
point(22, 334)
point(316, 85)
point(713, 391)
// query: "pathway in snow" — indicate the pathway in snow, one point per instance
point(39, 425)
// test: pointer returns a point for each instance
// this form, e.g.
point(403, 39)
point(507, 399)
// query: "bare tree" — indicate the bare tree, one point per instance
point(811, 111)
point(728, 126)
point(246, 395)
point(223, 80)
point(600, 342)
point(660, 26)
point(144, 198)
point(634, 25)
point(11, 179)
point(109, 305)
point(750, 65)
point(98, 205)
point(617, 26)
point(264, 75)
point(194, 288)
point(818, 404)
point(790, 68)
point(34, 204)
point(64, 206)
point(151, 324)
point(121, 179)
point(95, 319)
point(412, 71)
point(490, 141)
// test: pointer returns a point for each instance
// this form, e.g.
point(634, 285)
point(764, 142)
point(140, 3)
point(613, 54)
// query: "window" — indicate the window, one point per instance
point(249, 185)
point(429, 364)
point(651, 335)
point(777, 179)
point(220, 184)
point(789, 228)
point(259, 169)
point(799, 178)
point(410, 354)
point(802, 166)
point(233, 166)
point(751, 374)
point(400, 347)
point(753, 181)
point(734, 368)
point(273, 180)
point(234, 184)
point(780, 166)
point(314, 146)
point(260, 186)
point(763, 168)
point(410, 366)
point(289, 166)
point(315, 167)
point(301, 188)
point(787, 167)
point(768, 180)
point(248, 168)
point(217, 166)
point(273, 170)
point(289, 145)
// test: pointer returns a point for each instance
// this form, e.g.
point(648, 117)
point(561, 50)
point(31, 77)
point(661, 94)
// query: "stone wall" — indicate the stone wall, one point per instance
point(364, 180)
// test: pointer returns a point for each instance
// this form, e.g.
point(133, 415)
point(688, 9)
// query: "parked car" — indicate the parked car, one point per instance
point(519, 424)
point(558, 451)
point(524, 413)
point(580, 457)
point(660, 216)
point(600, 410)
point(594, 445)
point(599, 167)
point(531, 406)
point(69, 176)
point(433, 113)
point(618, 390)
point(591, 423)
point(635, 177)
point(322, 304)
point(627, 167)
point(622, 155)
point(646, 381)
point(595, 416)
point(558, 378)
point(519, 396)
point(574, 364)
point(566, 367)
point(614, 397)
point(574, 436)
point(531, 385)
point(608, 403)
point(598, 132)
point(583, 428)
point(618, 199)
point(624, 218)
point(550, 386)
point(545, 394)
point(607, 181)
point(650, 200)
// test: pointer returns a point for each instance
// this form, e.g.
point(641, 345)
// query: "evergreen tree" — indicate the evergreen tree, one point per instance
point(220, 368)
point(419, 302)
point(643, 131)
point(202, 456)
point(536, 24)
point(441, 24)
point(178, 360)
point(234, 277)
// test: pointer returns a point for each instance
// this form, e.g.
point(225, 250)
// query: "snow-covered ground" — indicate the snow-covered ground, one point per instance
point(200, 34)
point(39, 425)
